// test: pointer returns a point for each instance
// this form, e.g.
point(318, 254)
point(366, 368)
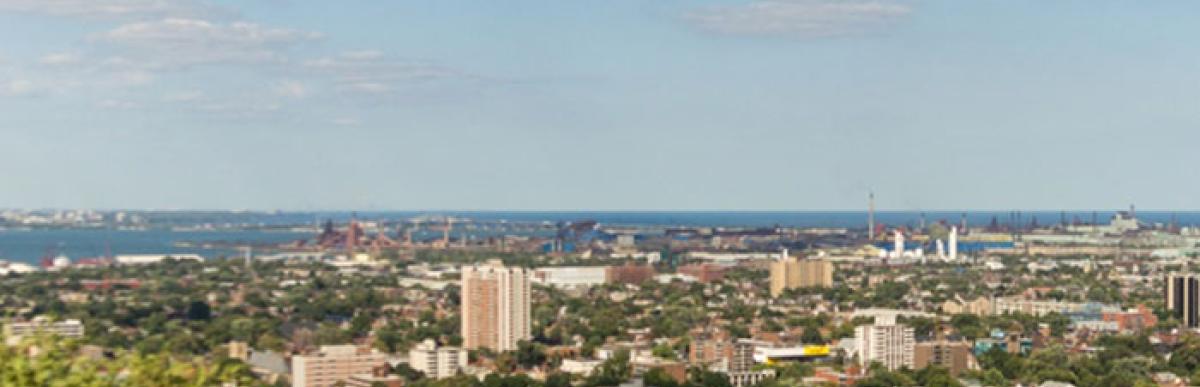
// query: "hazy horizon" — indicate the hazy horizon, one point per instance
point(651, 210)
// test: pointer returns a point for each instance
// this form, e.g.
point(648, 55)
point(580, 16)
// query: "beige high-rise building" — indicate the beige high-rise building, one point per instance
point(495, 306)
point(333, 364)
point(791, 273)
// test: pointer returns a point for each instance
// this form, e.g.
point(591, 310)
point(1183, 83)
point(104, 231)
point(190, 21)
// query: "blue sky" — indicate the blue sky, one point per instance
point(615, 104)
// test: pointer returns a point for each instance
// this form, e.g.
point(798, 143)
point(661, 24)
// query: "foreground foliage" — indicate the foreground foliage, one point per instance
point(52, 362)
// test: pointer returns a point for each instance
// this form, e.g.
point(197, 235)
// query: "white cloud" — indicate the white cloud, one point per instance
point(134, 71)
point(176, 41)
point(188, 53)
point(110, 8)
point(290, 89)
point(345, 121)
point(799, 18)
point(60, 59)
point(372, 72)
point(18, 88)
point(71, 71)
point(119, 104)
point(363, 55)
point(132, 78)
point(239, 109)
point(368, 87)
point(184, 96)
point(225, 104)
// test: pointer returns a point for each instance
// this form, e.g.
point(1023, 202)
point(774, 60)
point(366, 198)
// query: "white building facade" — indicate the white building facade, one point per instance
point(15, 332)
point(436, 362)
point(570, 277)
point(885, 342)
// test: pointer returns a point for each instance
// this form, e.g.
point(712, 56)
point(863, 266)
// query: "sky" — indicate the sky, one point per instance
point(599, 105)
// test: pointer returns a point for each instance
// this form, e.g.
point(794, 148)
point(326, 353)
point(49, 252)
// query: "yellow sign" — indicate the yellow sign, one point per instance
point(816, 350)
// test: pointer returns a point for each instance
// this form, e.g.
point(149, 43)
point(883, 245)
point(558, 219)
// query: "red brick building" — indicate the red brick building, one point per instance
point(705, 272)
point(1132, 320)
point(630, 273)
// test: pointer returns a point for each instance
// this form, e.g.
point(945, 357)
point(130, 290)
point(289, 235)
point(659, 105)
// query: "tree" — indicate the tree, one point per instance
point(53, 365)
point(738, 330)
point(389, 339)
point(57, 365)
point(657, 377)
point(558, 379)
point(1186, 357)
point(1058, 323)
point(812, 335)
point(700, 377)
point(506, 362)
point(529, 355)
point(889, 293)
point(497, 380)
point(998, 359)
point(993, 378)
point(922, 326)
point(612, 371)
point(410, 374)
point(935, 376)
point(198, 311)
point(664, 350)
point(881, 377)
point(772, 325)
point(794, 370)
point(968, 325)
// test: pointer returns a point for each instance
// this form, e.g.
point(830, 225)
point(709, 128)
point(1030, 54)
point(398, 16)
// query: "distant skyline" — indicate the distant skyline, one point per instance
point(599, 105)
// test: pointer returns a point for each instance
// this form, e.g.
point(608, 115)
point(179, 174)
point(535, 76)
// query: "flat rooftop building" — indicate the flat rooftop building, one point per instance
point(15, 332)
point(568, 277)
point(791, 273)
point(333, 364)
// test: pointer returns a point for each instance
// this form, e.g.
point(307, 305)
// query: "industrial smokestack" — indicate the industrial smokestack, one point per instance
point(953, 245)
point(871, 215)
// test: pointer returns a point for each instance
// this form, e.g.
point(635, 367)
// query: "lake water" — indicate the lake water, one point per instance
point(30, 246)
